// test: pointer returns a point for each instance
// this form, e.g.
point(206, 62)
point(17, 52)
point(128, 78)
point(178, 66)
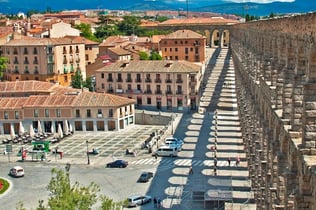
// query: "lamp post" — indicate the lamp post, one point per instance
point(88, 152)
point(172, 119)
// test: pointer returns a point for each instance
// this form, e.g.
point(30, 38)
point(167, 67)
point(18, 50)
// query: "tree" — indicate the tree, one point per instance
point(67, 196)
point(63, 195)
point(86, 32)
point(129, 25)
point(3, 66)
point(155, 56)
point(143, 56)
point(76, 80)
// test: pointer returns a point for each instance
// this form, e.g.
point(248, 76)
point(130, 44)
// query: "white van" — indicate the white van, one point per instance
point(166, 151)
point(17, 171)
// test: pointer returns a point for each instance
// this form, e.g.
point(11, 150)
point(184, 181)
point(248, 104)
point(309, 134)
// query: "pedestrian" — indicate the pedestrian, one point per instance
point(158, 203)
point(156, 156)
point(228, 160)
point(190, 170)
point(215, 171)
point(215, 162)
point(237, 161)
point(155, 202)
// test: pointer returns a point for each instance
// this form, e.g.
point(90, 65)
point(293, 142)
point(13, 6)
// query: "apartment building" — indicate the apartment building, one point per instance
point(29, 102)
point(183, 45)
point(155, 85)
point(50, 59)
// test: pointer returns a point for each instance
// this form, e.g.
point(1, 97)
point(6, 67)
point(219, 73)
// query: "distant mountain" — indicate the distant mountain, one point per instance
point(15, 6)
point(301, 6)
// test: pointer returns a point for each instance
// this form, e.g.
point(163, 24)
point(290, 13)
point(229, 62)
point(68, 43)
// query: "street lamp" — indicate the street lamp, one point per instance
point(172, 119)
point(88, 152)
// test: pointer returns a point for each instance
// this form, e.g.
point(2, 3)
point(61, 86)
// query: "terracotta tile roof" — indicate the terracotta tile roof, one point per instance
point(197, 21)
point(32, 41)
point(57, 96)
point(152, 66)
point(183, 34)
point(119, 51)
point(12, 103)
point(89, 99)
point(28, 86)
point(157, 38)
point(113, 41)
point(80, 39)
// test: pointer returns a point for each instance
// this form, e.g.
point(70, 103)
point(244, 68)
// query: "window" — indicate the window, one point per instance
point(25, 51)
point(58, 114)
point(46, 112)
point(35, 51)
point(70, 49)
point(26, 61)
point(35, 60)
point(148, 100)
point(110, 112)
point(119, 77)
point(186, 50)
point(88, 112)
point(110, 78)
point(176, 57)
point(6, 115)
point(102, 75)
point(170, 49)
point(35, 113)
point(77, 112)
point(148, 78)
point(186, 57)
point(129, 78)
point(179, 89)
point(165, 49)
point(175, 42)
point(176, 49)
point(138, 78)
point(16, 114)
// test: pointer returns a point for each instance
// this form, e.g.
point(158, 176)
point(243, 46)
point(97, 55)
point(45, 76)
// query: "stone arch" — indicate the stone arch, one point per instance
point(215, 38)
point(207, 34)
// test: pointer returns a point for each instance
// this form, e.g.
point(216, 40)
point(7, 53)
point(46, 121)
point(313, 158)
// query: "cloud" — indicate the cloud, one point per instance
point(258, 1)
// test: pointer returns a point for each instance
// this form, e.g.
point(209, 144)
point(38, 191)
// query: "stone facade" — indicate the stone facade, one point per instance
point(275, 63)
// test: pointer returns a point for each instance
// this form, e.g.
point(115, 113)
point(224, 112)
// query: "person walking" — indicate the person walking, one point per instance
point(228, 160)
point(156, 156)
point(215, 162)
point(155, 202)
point(237, 161)
point(191, 170)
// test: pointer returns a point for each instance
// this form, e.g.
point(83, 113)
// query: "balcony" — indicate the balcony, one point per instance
point(65, 61)
point(179, 81)
point(110, 79)
point(168, 81)
point(119, 91)
point(100, 115)
point(110, 90)
point(168, 92)
point(129, 91)
point(26, 72)
point(77, 60)
point(179, 92)
point(119, 80)
point(35, 62)
point(148, 92)
point(148, 80)
point(129, 80)
point(138, 80)
point(16, 62)
point(157, 80)
point(26, 62)
point(158, 92)
point(137, 91)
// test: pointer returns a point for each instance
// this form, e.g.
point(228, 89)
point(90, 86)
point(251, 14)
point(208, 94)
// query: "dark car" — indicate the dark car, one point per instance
point(117, 164)
point(145, 176)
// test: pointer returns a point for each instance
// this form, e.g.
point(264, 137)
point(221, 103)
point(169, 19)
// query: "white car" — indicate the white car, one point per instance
point(173, 140)
point(138, 200)
point(175, 145)
point(17, 171)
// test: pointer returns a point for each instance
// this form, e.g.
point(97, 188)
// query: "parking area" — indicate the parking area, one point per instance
point(108, 144)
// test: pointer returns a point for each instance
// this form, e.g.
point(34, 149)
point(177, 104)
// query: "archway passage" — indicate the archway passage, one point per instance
point(219, 38)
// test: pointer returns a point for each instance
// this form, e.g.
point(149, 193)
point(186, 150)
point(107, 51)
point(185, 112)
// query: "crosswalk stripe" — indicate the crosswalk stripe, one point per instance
point(180, 162)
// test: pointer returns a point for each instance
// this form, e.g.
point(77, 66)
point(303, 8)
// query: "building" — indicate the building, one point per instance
point(50, 59)
point(155, 85)
point(183, 45)
point(31, 102)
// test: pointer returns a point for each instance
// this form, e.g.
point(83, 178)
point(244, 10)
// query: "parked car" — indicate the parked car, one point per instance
point(137, 200)
point(166, 151)
point(145, 176)
point(117, 164)
point(174, 140)
point(16, 171)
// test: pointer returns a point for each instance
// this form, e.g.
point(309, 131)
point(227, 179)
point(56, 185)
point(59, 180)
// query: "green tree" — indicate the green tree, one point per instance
point(143, 56)
point(67, 196)
point(77, 80)
point(109, 204)
point(103, 31)
point(86, 32)
point(161, 18)
point(155, 56)
point(129, 25)
point(3, 66)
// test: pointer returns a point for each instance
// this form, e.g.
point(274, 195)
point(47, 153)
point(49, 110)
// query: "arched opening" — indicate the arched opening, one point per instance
point(208, 37)
point(215, 37)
